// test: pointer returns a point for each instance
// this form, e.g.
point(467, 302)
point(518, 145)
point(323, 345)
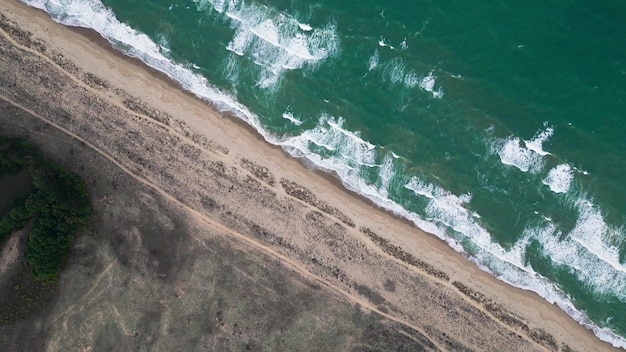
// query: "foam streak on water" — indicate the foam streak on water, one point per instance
point(273, 40)
point(395, 72)
point(373, 62)
point(593, 234)
point(289, 116)
point(536, 143)
point(332, 147)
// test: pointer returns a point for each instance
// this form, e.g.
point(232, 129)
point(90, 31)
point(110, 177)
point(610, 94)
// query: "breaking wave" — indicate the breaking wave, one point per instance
point(395, 72)
point(273, 40)
point(374, 172)
point(526, 157)
point(560, 178)
point(288, 115)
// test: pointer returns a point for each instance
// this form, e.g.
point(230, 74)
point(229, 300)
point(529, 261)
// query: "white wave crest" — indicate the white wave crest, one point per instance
point(305, 27)
point(348, 146)
point(514, 154)
point(559, 178)
point(373, 61)
point(404, 45)
point(267, 31)
point(381, 43)
point(411, 80)
point(536, 143)
point(94, 15)
point(385, 174)
point(428, 84)
point(596, 236)
point(289, 116)
point(395, 72)
point(586, 250)
point(275, 41)
point(447, 211)
point(527, 157)
point(351, 154)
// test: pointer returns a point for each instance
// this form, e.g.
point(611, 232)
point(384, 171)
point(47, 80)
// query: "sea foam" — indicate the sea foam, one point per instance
point(386, 174)
point(94, 15)
point(536, 143)
point(527, 157)
point(373, 61)
point(559, 178)
point(275, 41)
point(289, 116)
point(349, 154)
point(305, 27)
point(395, 72)
point(428, 84)
point(513, 153)
point(596, 236)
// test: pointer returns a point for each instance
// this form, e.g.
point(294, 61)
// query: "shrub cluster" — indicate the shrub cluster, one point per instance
point(59, 207)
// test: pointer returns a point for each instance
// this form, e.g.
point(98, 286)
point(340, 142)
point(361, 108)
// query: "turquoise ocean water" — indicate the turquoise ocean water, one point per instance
point(499, 127)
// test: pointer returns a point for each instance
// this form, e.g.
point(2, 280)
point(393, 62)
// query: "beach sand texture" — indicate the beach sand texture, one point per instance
point(176, 186)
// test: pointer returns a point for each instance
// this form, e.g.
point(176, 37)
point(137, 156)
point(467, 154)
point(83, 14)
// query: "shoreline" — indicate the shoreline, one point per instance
point(163, 94)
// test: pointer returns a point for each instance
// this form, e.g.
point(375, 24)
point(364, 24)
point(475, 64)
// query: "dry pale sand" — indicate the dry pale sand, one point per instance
point(10, 254)
point(221, 172)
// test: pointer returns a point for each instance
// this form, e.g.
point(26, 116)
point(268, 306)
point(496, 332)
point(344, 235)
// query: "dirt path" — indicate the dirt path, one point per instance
point(11, 252)
point(294, 265)
point(300, 269)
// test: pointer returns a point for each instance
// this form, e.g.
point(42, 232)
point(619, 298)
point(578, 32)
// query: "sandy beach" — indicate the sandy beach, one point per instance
point(235, 190)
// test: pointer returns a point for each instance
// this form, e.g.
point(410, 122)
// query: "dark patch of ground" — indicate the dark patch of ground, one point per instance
point(147, 276)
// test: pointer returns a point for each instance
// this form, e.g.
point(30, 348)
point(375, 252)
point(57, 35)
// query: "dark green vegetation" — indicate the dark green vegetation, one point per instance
point(58, 206)
point(14, 189)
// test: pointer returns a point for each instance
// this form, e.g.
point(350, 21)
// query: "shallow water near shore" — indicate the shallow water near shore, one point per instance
point(498, 128)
